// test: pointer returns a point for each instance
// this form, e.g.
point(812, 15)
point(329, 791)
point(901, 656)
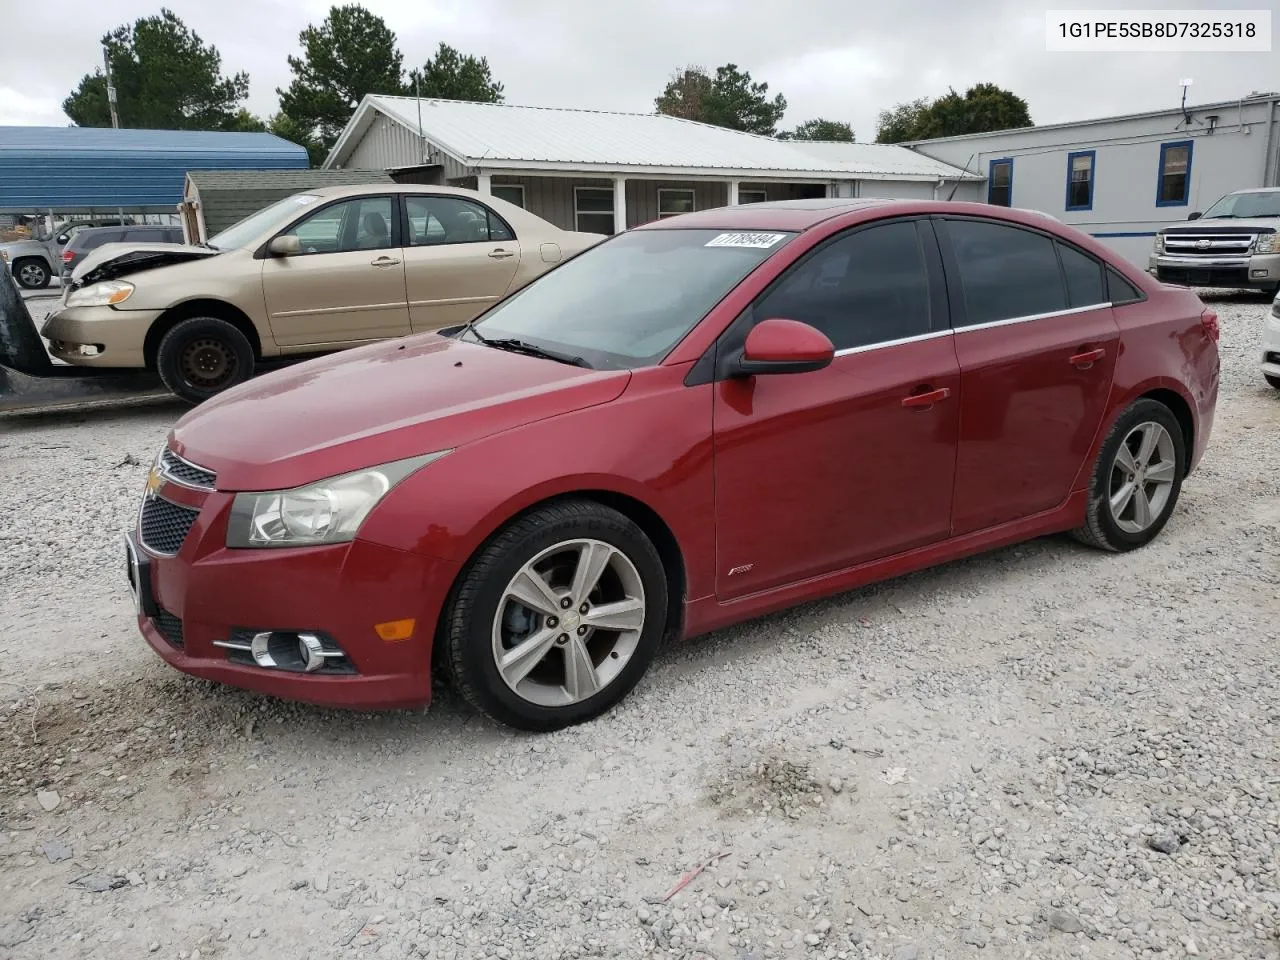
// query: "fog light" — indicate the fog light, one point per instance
point(311, 650)
point(1260, 274)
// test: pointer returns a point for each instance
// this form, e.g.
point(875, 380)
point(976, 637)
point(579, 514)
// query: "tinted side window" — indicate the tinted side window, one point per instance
point(88, 241)
point(1120, 290)
point(173, 235)
point(1005, 272)
point(867, 287)
point(1084, 277)
point(436, 220)
point(145, 234)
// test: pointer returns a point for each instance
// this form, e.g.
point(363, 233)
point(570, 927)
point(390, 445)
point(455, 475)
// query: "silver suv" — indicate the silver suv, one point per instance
point(1234, 244)
point(33, 262)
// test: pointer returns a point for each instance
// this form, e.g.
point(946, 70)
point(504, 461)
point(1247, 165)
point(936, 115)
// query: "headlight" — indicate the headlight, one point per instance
point(328, 511)
point(1266, 243)
point(105, 294)
point(1159, 243)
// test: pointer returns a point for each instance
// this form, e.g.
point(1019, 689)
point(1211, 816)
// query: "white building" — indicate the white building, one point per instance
point(602, 171)
point(1122, 178)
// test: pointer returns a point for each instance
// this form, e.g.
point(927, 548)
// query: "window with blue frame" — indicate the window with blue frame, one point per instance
point(1080, 180)
point(1000, 182)
point(1173, 184)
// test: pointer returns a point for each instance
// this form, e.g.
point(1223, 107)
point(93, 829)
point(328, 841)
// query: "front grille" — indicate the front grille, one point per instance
point(186, 473)
point(170, 627)
point(1218, 244)
point(164, 525)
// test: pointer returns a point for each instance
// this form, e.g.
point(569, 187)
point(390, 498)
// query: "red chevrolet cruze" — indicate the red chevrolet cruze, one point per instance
point(693, 423)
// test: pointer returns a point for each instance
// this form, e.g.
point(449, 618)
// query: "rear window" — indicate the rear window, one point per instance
point(1006, 273)
point(1084, 277)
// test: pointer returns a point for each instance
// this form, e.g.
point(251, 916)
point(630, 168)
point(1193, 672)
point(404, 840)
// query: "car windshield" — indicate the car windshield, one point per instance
point(625, 303)
point(1262, 203)
point(253, 226)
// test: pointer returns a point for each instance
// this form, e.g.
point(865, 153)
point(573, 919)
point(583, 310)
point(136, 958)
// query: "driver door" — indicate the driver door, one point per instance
point(347, 284)
point(816, 472)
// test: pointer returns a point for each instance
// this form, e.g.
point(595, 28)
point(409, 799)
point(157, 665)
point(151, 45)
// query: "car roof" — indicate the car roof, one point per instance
point(361, 189)
point(801, 215)
point(1255, 190)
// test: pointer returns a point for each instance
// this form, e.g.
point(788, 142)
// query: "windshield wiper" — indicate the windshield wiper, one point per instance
point(521, 346)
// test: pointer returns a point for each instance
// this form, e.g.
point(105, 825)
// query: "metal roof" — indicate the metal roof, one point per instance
point(86, 168)
point(880, 158)
point(288, 181)
point(503, 136)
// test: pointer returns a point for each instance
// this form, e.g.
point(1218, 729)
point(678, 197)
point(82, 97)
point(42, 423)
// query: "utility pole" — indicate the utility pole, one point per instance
point(111, 90)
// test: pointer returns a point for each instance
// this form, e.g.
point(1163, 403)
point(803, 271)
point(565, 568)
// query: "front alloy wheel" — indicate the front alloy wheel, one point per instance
point(557, 618)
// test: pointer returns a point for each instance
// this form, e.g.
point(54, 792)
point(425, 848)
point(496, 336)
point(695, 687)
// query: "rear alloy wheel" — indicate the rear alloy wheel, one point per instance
point(558, 617)
point(31, 273)
point(203, 356)
point(1136, 480)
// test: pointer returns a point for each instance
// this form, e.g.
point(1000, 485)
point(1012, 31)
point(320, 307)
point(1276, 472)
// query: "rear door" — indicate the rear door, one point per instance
point(347, 284)
point(460, 259)
point(1037, 344)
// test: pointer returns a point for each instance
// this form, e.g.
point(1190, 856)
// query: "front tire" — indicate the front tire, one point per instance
point(558, 618)
point(202, 356)
point(31, 273)
point(1136, 479)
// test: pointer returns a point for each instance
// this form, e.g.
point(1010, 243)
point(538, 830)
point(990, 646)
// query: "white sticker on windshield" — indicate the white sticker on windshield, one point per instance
point(755, 241)
point(303, 200)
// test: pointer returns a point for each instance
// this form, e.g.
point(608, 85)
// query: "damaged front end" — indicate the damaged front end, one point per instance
point(118, 260)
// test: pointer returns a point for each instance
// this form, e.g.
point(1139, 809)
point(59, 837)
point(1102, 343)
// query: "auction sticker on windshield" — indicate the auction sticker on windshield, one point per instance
point(756, 241)
point(304, 199)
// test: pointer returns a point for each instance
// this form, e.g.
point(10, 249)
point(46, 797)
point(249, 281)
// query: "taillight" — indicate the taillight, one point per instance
point(1209, 320)
point(66, 256)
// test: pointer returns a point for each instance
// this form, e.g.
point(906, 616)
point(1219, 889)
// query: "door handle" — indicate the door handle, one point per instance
point(500, 254)
point(1088, 358)
point(926, 399)
point(384, 262)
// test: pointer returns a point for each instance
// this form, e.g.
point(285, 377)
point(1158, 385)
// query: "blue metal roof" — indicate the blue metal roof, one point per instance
point(76, 169)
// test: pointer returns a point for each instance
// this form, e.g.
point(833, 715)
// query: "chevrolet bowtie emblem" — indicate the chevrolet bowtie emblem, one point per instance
point(155, 480)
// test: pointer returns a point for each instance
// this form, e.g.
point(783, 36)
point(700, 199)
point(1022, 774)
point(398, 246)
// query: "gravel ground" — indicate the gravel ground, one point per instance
point(1041, 752)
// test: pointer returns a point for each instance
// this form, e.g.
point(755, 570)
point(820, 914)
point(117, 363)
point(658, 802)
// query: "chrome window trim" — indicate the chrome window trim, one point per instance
point(865, 348)
point(1030, 317)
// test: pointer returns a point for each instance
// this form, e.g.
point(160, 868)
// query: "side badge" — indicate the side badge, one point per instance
point(742, 569)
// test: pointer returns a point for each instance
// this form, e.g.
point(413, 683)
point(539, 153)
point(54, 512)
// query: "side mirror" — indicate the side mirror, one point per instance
point(284, 246)
point(61, 239)
point(1195, 216)
point(784, 346)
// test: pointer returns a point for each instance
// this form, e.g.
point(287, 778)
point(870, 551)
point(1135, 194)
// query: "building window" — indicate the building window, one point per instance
point(672, 203)
point(1000, 182)
point(593, 209)
point(752, 196)
point(1080, 180)
point(1173, 188)
point(510, 192)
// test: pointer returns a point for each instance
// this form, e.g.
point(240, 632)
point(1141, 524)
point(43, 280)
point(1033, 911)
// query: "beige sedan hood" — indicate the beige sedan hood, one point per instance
point(118, 259)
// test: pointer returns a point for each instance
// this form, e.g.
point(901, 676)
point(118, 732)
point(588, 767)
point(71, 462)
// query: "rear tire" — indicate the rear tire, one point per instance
point(1273, 380)
point(1136, 480)
point(31, 273)
point(596, 610)
point(202, 356)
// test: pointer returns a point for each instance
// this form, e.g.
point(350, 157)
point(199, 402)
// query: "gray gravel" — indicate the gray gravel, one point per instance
point(1041, 752)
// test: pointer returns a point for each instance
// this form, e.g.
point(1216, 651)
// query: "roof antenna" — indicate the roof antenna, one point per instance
point(957, 183)
point(1186, 117)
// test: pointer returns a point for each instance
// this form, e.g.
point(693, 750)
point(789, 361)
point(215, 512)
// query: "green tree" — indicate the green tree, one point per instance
point(166, 78)
point(983, 107)
point(451, 76)
point(820, 129)
point(289, 129)
point(729, 99)
point(351, 54)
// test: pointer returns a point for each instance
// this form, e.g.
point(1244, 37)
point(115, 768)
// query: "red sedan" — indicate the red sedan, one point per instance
point(694, 423)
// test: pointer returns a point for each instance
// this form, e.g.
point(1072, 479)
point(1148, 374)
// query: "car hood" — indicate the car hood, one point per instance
point(1229, 224)
point(375, 404)
point(113, 260)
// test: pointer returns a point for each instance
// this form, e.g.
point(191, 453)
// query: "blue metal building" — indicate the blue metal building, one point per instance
point(87, 169)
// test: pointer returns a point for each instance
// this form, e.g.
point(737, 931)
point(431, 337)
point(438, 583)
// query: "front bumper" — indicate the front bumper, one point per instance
point(118, 335)
point(207, 593)
point(1259, 272)
point(1271, 342)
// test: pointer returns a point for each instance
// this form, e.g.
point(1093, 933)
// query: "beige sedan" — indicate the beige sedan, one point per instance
point(314, 273)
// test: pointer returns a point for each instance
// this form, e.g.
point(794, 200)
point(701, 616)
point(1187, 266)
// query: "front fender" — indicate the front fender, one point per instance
point(652, 444)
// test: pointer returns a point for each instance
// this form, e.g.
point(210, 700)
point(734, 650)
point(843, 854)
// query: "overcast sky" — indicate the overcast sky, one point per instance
point(840, 59)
